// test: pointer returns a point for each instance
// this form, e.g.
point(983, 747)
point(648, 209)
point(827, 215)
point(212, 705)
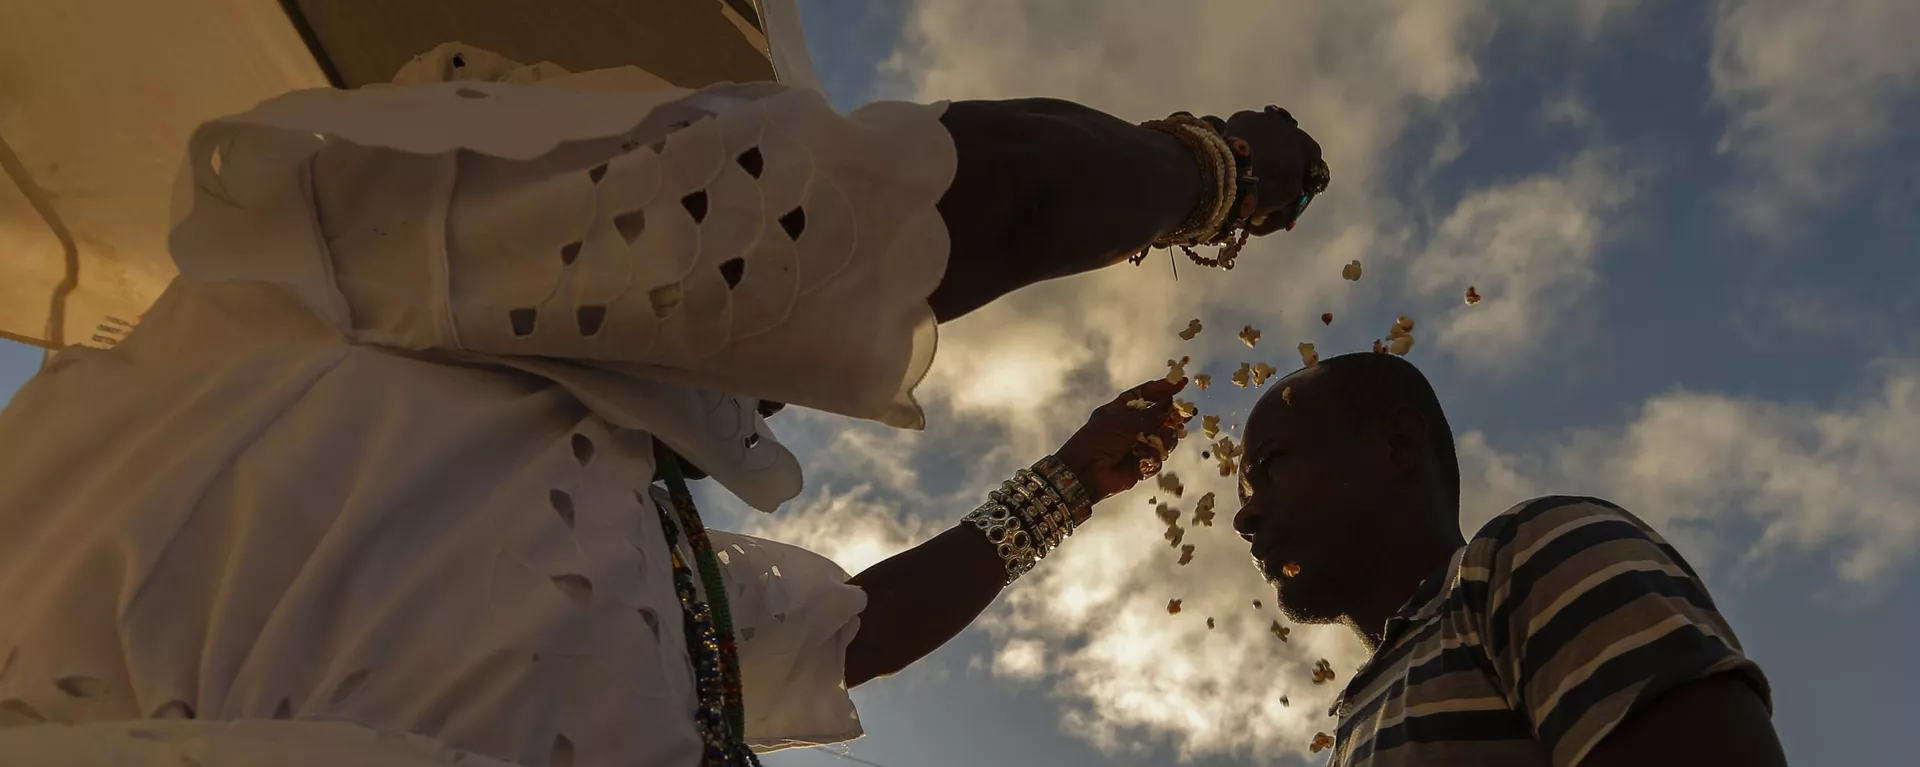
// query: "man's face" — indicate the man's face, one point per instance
point(1309, 495)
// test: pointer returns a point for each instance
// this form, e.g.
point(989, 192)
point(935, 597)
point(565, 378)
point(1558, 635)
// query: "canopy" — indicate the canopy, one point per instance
point(98, 97)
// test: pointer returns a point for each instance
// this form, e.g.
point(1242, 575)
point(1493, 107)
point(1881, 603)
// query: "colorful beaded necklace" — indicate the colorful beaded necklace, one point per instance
point(721, 712)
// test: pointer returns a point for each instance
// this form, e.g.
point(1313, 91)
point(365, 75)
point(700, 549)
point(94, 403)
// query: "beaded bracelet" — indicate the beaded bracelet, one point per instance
point(1226, 167)
point(1217, 170)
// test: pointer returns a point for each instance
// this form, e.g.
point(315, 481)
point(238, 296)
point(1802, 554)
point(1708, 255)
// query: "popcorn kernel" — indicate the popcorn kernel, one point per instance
point(1203, 511)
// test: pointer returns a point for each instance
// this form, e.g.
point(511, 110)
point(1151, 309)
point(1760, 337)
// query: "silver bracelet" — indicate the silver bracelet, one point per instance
point(1025, 519)
point(1009, 537)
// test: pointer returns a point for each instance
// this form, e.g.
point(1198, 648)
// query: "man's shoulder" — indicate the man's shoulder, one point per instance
point(1507, 523)
point(1530, 523)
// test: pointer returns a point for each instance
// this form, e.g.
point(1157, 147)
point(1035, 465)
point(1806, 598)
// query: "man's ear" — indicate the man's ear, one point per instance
point(1406, 433)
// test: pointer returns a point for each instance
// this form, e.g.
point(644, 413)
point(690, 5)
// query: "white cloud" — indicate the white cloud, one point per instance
point(1808, 86)
point(1021, 659)
point(1743, 486)
point(1528, 247)
point(852, 528)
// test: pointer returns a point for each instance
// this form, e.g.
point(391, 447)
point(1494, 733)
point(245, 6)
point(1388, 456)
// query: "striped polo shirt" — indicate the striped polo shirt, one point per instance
point(1561, 618)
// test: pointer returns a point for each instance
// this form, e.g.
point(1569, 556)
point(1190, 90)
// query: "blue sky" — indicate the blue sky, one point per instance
point(1692, 226)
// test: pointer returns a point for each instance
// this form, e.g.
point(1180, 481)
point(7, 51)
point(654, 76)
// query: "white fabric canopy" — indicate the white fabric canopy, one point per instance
point(100, 96)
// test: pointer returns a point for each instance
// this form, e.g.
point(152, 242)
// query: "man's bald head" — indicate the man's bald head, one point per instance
point(1363, 387)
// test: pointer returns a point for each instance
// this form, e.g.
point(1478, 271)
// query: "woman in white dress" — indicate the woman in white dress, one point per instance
point(373, 482)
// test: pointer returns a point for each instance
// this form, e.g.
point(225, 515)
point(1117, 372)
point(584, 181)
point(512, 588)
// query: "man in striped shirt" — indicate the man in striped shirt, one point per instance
point(1566, 632)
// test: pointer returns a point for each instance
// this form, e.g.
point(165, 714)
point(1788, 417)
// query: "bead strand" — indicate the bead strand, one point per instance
point(709, 629)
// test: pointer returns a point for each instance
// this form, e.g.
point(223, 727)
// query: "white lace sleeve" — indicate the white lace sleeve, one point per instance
point(745, 239)
point(793, 616)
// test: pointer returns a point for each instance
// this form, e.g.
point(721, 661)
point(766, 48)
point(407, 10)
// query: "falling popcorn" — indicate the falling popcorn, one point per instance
point(1177, 369)
point(1226, 447)
point(1193, 329)
point(1173, 607)
point(1308, 357)
point(1209, 623)
point(1284, 702)
point(1210, 426)
point(1186, 554)
point(1286, 395)
point(1473, 296)
point(1240, 376)
point(1399, 337)
point(1321, 742)
point(1139, 404)
point(1351, 271)
point(1323, 672)
point(1170, 482)
point(1203, 381)
point(1175, 534)
point(1184, 408)
point(1261, 373)
point(1379, 348)
point(1290, 569)
point(1249, 336)
point(1326, 319)
point(1224, 452)
point(1203, 511)
point(1168, 514)
point(1279, 632)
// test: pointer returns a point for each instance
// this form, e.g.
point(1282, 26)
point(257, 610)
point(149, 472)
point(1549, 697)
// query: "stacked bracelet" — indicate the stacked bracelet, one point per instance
point(1217, 178)
point(1032, 514)
point(1229, 189)
point(1062, 480)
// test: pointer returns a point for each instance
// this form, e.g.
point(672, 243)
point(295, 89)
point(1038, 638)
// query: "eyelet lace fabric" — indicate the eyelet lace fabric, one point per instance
point(379, 455)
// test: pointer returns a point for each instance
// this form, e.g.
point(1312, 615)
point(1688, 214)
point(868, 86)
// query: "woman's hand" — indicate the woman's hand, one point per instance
point(1106, 453)
point(1282, 152)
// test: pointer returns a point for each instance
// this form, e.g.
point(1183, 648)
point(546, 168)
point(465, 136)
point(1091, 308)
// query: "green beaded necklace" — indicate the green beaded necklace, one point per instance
point(708, 564)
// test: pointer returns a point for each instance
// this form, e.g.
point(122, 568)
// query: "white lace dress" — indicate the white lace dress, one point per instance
point(378, 461)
